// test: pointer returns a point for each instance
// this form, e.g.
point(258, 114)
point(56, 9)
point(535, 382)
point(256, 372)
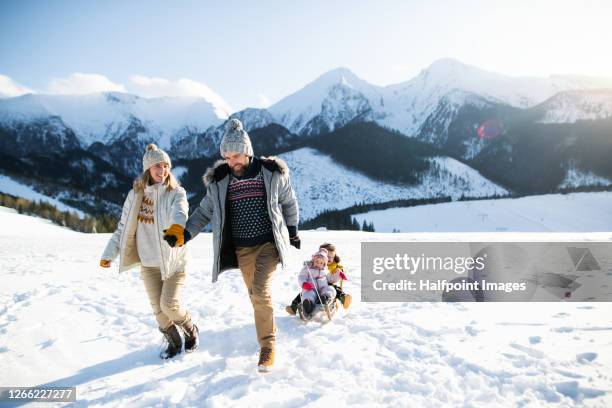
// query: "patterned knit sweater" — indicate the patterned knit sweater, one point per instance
point(147, 240)
point(248, 211)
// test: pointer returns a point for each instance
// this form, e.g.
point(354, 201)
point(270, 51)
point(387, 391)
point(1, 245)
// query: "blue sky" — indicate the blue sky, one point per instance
point(252, 53)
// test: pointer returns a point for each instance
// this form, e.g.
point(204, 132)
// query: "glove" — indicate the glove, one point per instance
point(105, 263)
point(175, 235)
point(307, 286)
point(343, 276)
point(295, 241)
point(171, 239)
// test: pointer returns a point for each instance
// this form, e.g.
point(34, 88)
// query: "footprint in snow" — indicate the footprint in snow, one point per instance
point(535, 339)
point(586, 357)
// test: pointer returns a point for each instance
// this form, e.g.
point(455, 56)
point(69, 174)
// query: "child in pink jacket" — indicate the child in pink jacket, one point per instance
point(313, 278)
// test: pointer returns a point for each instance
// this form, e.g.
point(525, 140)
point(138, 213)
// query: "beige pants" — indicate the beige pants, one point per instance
point(257, 265)
point(164, 296)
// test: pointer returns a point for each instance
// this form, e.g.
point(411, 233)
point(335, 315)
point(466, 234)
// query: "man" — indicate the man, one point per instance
point(254, 215)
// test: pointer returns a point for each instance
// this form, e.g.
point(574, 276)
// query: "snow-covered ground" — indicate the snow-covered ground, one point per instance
point(576, 212)
point(66, 322)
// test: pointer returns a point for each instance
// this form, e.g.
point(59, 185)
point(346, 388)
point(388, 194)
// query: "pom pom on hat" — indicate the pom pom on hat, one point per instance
point(233, 125)
point(235, 139)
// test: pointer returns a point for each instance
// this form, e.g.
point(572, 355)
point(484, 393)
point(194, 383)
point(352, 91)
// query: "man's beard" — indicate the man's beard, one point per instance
point(238, 170)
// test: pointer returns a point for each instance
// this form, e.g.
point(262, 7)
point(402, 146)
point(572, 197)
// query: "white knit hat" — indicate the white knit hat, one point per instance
point(235, 139)
point(154, 155)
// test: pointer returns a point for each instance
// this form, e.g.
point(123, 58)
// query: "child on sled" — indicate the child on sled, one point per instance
point(337, 276)
point(313, 279)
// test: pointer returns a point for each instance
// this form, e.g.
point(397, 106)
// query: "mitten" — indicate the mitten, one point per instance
point(307, 286)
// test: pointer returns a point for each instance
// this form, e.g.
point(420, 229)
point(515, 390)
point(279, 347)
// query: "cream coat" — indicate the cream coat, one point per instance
point(171, 207)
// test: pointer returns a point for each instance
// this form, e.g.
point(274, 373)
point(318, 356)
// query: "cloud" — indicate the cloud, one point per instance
point(152, 87)
point(10, 88)
point(263, 100)
point(79, 83)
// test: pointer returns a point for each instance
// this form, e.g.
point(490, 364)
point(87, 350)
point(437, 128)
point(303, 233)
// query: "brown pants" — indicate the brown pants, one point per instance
point(164, 296)
point(257, 265)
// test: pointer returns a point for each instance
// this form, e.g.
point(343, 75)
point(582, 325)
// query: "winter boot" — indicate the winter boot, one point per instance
point(346, 301)
point(307, 307)
point(175, 343)
point(266, 359)
point(191, 334)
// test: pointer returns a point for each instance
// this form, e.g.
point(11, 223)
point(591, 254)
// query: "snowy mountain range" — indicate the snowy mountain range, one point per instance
point(339, 96)
point(330, 101)
point(450, 106)
point(104, 117)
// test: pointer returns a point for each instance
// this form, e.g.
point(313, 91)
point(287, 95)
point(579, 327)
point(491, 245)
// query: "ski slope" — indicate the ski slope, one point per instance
point(66, 322)
point(582, 212)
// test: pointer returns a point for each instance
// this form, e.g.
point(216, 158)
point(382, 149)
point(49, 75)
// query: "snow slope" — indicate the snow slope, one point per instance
point(312, 173)
point(576, 178)
point(17, 189)
point(546, 213)
point(571, 106)
point(66, 322)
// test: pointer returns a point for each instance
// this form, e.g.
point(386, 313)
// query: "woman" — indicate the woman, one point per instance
point(154, 210)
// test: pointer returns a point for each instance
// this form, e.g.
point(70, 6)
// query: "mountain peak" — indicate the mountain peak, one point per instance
point(327, 99)
point(340, 75)
point(120, 97)
point(446, 67)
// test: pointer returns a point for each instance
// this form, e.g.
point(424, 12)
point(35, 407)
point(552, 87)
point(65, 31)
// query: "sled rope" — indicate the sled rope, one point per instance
point(317, 292)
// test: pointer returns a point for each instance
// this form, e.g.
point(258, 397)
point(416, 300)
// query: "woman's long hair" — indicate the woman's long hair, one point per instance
point(145, 180)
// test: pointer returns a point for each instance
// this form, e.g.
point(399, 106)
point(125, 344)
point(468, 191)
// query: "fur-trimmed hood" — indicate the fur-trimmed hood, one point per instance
point(221, 169)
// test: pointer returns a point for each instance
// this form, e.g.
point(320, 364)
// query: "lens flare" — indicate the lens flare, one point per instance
point(489, 129)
